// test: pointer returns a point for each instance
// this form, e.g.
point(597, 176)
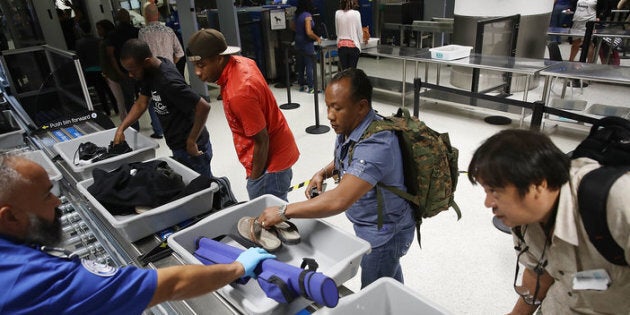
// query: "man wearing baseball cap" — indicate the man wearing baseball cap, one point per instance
point(263, 141)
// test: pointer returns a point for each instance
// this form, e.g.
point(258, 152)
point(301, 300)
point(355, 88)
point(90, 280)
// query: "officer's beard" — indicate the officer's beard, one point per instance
point(44, 233)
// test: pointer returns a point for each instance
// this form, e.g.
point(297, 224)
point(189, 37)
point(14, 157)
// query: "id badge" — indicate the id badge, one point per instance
point(595, 279)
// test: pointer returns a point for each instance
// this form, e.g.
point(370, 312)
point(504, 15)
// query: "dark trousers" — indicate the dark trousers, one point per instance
point(128, 87)
point(95, 79)
point(348, 57)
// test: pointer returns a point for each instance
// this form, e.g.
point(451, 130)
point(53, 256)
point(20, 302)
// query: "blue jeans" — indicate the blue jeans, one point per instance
point(304, 63)
point(276, 184)
point(155, 120)
point(199, 164)
point(384, 261)
point(559, 19)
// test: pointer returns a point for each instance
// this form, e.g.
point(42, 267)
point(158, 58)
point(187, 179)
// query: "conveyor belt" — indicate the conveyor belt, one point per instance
point(91, 238)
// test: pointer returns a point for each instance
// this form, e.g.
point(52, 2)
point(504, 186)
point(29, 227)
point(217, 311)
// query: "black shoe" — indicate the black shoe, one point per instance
point(576, 83)
point(156, 136)
point(114, 150)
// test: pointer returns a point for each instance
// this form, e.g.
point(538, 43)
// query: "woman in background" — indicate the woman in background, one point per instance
point(349, 34)
point(587, 10)
point(559, 16)
point(304, 44)
point(104, 28)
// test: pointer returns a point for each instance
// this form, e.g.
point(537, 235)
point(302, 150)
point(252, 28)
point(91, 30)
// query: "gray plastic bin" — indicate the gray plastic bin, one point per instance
point(143, 149)
point(337, 252)
point(11, 139)
point(40, 158)
point(384, 296)
point(137, 226)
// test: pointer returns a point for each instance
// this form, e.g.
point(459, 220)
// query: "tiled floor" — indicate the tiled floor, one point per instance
point(467, 266)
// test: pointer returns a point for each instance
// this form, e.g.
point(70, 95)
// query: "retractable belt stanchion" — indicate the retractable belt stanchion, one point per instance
point(317, 128)
point(417, 85)
point(280, 84)
point(288, 104)
point(537, 116)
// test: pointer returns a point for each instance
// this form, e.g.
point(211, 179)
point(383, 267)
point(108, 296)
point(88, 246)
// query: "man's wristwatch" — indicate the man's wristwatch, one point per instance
point(281, 210)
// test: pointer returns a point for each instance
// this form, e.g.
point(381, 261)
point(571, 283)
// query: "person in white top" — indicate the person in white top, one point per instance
point(349, 34)
point(585, 10)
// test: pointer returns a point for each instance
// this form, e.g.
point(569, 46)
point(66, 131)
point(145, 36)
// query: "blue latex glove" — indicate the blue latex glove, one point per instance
point(251, 258)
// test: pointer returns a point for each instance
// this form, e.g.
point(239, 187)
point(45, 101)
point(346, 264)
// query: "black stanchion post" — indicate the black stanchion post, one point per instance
point(317, 128)
point(288, 104)
point(537, 115)
point(586, 41)
point(321, 67)
point(280, 84)
point(417, 85)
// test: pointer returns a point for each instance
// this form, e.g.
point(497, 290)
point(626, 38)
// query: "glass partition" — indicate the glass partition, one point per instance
point(496, 37)
point(47, 82)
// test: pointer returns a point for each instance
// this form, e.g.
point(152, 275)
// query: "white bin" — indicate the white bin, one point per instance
point(337, 252)
point(372, 42)
point(450, 52)
point(54, 174)
point(136, 226)
point(384, 296)
point(143, 149)
point(14, 138)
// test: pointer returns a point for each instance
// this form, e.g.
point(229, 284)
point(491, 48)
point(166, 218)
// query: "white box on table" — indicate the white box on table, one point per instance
point(450, 52)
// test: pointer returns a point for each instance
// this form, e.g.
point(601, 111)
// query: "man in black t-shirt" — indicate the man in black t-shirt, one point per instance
point(182, 112)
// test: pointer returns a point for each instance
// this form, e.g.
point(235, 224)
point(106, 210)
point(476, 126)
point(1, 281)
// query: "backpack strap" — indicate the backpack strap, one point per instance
point(379, 197)
point(592, 198)
point(414, 199)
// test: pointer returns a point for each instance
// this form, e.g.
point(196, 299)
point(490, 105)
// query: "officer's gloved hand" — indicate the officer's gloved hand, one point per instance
point(251, 258)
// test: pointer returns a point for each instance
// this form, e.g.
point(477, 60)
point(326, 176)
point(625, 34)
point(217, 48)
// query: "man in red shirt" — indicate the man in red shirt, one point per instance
point(263, 141)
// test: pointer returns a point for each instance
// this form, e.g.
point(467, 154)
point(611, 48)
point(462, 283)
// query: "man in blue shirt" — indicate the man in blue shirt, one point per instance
point(376, 159)
point(36, 282)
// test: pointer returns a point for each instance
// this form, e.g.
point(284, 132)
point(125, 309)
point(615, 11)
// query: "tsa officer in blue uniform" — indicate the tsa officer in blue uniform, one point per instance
point(34, 281)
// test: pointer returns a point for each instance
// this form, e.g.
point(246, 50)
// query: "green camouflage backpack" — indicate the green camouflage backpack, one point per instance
point(429, 163)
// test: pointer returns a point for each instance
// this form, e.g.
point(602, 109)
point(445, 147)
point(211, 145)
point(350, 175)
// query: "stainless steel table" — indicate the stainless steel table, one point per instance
point(401, 53)
point(564, 31)
point(584, 71)
point(326, 48)
point(441, 26)
point(525, 66)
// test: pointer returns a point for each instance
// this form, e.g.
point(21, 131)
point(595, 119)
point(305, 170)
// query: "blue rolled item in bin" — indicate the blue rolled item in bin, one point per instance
point(280, 281)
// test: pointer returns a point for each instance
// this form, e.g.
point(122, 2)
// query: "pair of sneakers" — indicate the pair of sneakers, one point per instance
point(88, 152)
point(307, 89)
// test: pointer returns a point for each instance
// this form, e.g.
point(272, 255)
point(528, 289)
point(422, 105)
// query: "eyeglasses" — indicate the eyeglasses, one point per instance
point(524, 291)
point(59, 252)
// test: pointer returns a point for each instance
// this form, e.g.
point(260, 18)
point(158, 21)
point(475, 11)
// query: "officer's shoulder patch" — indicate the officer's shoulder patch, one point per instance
point(99, 269)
